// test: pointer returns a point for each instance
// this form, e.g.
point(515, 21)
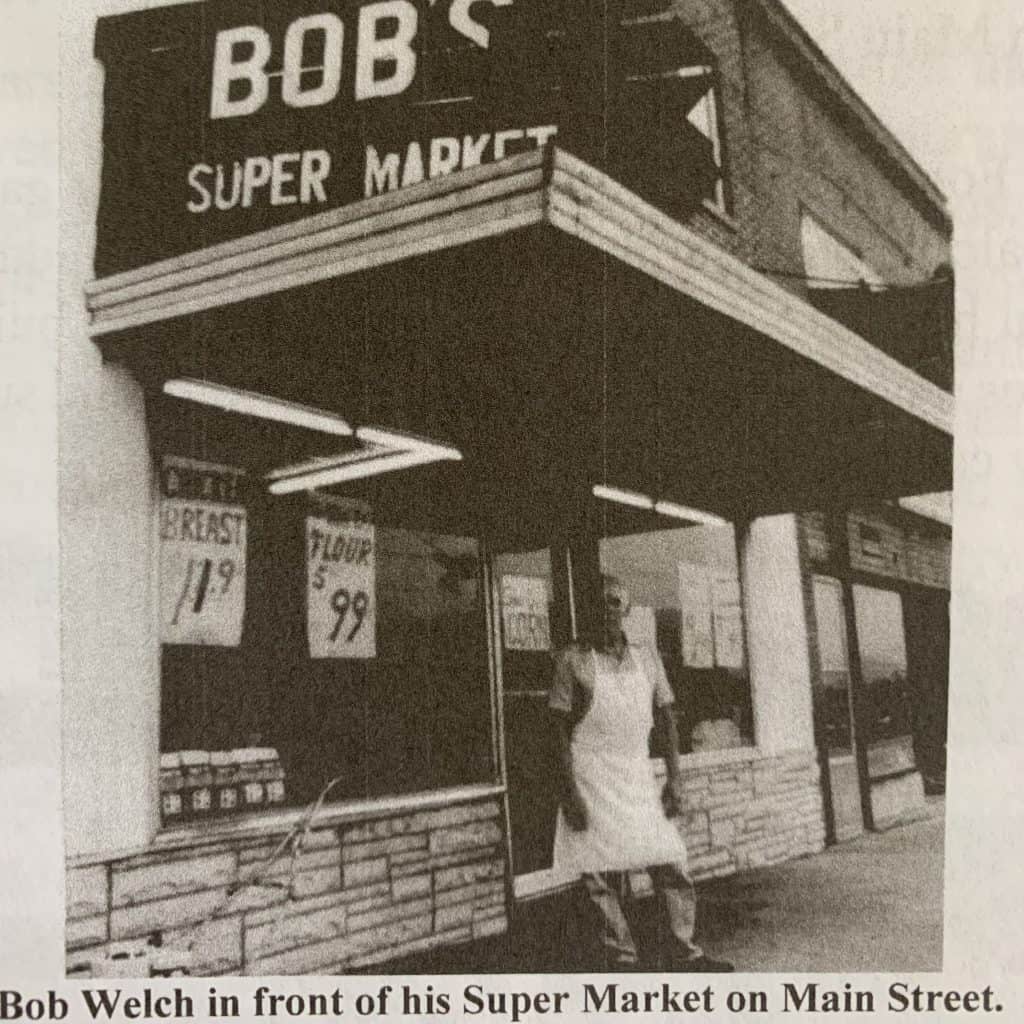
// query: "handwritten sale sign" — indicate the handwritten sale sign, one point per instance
point(697, 632)
point(728, 617)
point(341, 588)
point(202, 554)
point(524, 613)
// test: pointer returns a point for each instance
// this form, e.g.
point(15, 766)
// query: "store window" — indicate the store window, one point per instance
point(333, 636)
point(685, 594)
point(832, 690)
point(888, 700)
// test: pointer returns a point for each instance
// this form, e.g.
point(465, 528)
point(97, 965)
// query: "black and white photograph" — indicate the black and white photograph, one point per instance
point(505, 498)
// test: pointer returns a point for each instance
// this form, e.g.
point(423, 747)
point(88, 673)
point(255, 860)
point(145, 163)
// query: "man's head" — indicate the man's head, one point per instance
point(616, 608)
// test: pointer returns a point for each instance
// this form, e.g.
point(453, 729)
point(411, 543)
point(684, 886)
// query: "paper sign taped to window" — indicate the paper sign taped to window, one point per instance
point(696, 611)
point(341, 592)
point(728, 612)
point(202, 554)
point(524, 613)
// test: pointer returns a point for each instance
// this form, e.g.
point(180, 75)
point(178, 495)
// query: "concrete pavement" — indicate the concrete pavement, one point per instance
point(870, 904)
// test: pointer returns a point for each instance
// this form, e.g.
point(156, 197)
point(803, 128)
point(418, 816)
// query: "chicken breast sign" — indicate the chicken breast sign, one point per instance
point(341, 588)
point(202, 554)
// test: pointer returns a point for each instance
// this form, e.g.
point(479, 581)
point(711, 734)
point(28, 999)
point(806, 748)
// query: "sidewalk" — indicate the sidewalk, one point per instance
point(871, 904)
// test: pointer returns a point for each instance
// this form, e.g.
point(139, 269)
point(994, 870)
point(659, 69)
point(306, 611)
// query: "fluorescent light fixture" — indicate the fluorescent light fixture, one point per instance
point(623, 497)
point(395, 440)
point(328, 462)
point(353, 470)
point(677, 511)
point(250, 403)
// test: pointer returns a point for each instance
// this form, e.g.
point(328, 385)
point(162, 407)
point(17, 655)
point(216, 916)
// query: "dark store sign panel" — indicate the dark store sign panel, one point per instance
point(226, 118)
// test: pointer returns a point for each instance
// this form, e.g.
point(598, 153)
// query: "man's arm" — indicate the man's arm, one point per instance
point(573, 805)
point(666, 720)
point(673, 787)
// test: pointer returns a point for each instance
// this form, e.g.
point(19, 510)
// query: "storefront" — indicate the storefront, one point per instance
point(412, 378)
point(880, 586)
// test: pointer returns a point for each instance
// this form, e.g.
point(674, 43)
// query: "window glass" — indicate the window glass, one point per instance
point(883, 659)
point(666, 137)
point(829, 263)
point(361, 655)
point(833, 694)
point(685, 603)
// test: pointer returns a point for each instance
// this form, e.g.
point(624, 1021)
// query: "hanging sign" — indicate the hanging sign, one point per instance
point(524, 613)
point(202, 554)
point(341, 598)
point(728, 617)
point(696, 611)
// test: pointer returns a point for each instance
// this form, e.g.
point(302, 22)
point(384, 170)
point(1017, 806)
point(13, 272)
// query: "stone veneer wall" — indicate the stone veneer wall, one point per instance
point(747, 811)
point(371, 891)
point(363, 892)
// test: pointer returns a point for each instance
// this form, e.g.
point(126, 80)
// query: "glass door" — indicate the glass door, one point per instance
point(833, 710)
point(883, 660)
point(534, 621)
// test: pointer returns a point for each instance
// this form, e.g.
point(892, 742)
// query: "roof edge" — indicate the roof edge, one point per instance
point(534, 189)
point(828, 75)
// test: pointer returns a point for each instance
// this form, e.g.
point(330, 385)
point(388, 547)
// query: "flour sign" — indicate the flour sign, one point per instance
point(341, 592)
point(202, 554)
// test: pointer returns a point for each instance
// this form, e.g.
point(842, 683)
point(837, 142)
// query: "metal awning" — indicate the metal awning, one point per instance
point(558, 329)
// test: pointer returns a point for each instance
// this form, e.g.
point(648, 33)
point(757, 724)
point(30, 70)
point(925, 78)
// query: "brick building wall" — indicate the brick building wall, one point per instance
point(786, 150)
point(891, 544)
point(715, 23)
point(803, 157)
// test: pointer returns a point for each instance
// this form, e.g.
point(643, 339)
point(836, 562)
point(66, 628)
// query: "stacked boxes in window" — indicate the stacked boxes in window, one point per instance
point(172, 785)
point(273, 777)
point(251, 784)
point(225, 781)
point(198, 784)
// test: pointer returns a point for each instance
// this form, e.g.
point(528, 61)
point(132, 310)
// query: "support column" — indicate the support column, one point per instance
point(109, 643)
point(777, 640)
point(110, 667)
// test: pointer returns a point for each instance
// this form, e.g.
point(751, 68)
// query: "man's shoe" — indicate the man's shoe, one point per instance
point(706, 965)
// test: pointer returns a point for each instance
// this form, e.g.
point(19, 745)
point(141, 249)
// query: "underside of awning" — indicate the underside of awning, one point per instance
point(557, 330)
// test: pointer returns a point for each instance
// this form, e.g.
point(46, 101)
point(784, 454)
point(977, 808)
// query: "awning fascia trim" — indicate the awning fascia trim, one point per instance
point(598, 210)
point(937, 507)
point(492, 200)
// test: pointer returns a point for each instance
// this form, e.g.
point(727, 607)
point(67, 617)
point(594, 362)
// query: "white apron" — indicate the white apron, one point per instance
point(626, 825)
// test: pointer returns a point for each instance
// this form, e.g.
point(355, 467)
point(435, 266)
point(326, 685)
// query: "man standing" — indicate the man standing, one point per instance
point(611, 820)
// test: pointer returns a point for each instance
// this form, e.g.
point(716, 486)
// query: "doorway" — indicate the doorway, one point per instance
point(533, 597)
